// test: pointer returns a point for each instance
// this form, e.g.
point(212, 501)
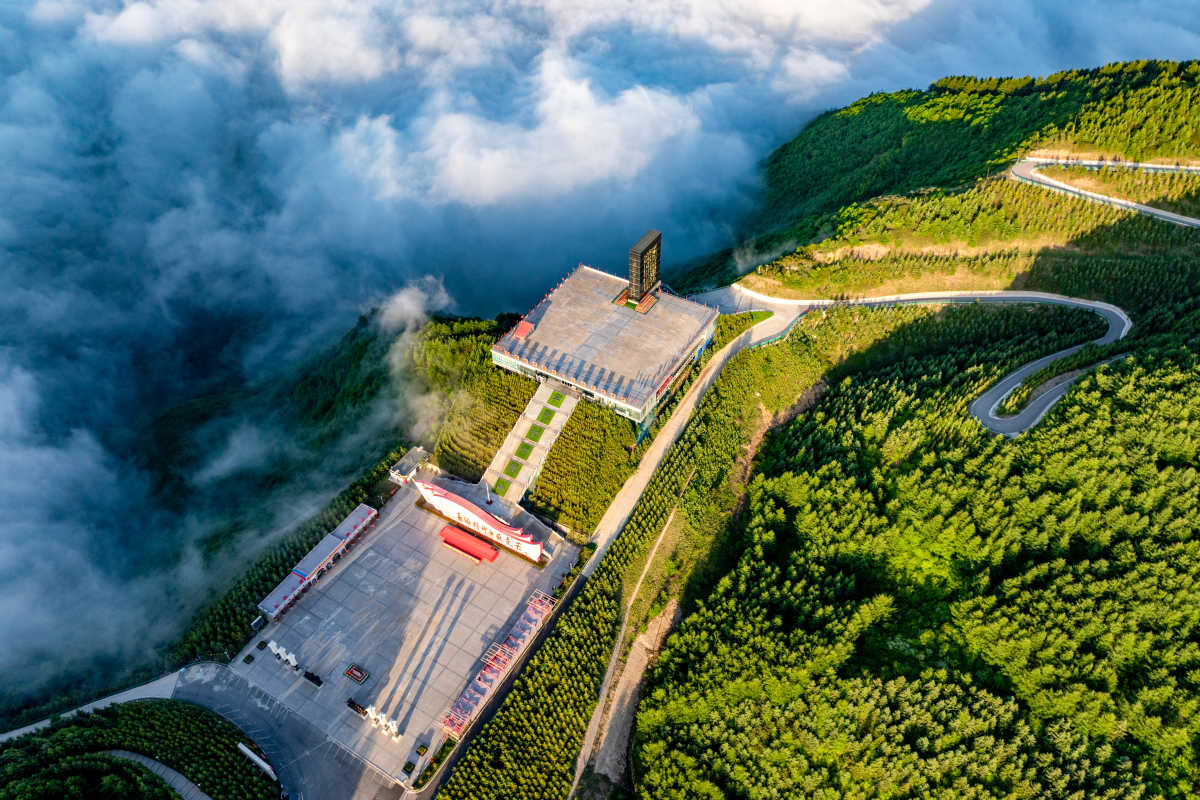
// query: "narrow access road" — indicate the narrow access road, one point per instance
point(984, 408)
point(594, 724)
point(621, 507)
point(1026, 171)
point(161, 688)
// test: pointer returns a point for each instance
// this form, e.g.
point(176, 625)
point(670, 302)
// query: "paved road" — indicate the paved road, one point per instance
point(622, 505)
point(1027, 172)
point(185, 788)
point(308, 764)
point(158, 688)
point(984, 408)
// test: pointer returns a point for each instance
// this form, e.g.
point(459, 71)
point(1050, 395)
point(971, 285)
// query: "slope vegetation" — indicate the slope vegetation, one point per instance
point(957, 131)
point(908, 606)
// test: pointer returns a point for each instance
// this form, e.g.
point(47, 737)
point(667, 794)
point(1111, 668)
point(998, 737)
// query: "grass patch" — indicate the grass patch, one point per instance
point(556, 398)
point(501, 485)
point(435, 762)
point(513, 469)
point(758, 316)
point(535, 433)
point(545, 415)
point(524, 449)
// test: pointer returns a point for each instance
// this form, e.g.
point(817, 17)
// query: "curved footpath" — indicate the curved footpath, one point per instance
point(182, 786)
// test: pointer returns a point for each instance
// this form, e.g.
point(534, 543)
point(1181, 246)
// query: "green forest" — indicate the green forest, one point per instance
point(901, 566)
point(908, 606)
point(66, 760)
point(957, 131)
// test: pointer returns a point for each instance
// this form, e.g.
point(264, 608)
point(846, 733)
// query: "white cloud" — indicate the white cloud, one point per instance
point(802, 75)
point(371, 150)
point(409, 308)
point(577, 137)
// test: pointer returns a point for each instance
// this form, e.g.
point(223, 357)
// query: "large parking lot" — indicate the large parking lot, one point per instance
point(414, 615)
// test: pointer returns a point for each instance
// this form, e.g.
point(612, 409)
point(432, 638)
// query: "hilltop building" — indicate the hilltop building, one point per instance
point(643, 265)
point(621, 343)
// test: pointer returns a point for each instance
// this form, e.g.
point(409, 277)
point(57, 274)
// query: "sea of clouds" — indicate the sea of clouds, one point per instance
point(194, 189)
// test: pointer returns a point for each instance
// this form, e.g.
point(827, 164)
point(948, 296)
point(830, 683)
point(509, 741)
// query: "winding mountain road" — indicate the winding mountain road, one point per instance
point(737, 298)
point(1027, 171)
point(731, 299)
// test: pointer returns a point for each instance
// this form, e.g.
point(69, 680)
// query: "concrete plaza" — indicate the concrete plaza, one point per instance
point(414, 615)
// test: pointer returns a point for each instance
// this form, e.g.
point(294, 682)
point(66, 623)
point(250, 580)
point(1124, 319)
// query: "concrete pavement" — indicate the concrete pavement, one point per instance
point(308, 763)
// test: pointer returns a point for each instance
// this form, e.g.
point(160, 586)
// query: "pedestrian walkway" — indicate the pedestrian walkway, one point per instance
point(519, 460)
point(185, 788)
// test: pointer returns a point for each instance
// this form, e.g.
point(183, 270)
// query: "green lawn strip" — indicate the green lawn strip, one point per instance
point(513, 469)
point(435, 762)
point(556, 398)
point(545, 415)
point(523, 450)
point(501, 485)
point(535, 433)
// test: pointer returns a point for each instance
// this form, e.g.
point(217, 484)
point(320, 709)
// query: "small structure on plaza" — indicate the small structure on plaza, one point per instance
point(467, 545)
point(319, 559)
point(408, 465)
point(462, 511)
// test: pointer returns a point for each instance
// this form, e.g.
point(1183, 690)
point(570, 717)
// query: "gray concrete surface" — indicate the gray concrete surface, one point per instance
point(182, 786)
point(308, 763)
point(412, 613)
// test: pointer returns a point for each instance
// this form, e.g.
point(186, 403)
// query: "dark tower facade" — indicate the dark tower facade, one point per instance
point(643, 265)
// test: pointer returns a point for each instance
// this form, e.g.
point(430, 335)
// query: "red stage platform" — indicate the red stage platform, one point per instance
point(467, 544)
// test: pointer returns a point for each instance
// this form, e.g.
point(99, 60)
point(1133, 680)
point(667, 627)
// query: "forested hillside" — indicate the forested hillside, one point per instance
point(1013, 618)
point(909, 606)
point(956, 131)
point(66, 761)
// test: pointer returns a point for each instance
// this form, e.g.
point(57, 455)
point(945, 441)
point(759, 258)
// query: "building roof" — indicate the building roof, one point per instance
point(644, 243)
point(580, 335)
point(279, 596)
point(354, 521)
point(312, 561)
point(410, 461)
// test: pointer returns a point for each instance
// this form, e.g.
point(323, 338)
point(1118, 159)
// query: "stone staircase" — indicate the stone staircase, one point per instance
point(519, 460)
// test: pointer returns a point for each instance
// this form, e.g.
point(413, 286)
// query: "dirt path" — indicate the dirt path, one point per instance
point(614, 747)
point(596, 723)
